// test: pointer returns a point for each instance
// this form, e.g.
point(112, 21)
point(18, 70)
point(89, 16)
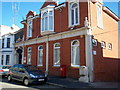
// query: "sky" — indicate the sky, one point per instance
point(7, 14)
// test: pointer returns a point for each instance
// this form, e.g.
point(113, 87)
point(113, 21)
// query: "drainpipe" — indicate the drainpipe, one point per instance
point(47, 47)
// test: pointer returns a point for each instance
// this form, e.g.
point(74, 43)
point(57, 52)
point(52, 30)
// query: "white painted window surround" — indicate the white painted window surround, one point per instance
point(75, 53)
point(74, 14)
point(29, 28)
point(47, 19)
point(40, 55)
point(103, 44)
point(29, 54)
point(99, 16)
point(57, 54)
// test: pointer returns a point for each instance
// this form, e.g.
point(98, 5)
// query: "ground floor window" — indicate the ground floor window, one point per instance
point(2, 59)
point(29, 55)
point(7, 59)
point(40, 55)
point(57, 54)
point(75, 53)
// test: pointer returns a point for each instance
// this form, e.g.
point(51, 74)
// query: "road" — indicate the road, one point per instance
point(15, 84)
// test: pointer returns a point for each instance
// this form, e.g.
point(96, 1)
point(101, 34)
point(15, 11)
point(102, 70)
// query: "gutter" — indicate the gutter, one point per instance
point(109, 12)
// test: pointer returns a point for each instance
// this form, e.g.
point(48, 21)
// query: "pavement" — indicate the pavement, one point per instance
point(74, 83)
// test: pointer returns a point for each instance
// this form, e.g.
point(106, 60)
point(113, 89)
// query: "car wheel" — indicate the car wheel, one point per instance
point(26, 82)
point(9, 78)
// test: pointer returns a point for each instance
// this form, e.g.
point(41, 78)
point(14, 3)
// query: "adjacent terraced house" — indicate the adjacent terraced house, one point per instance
point(74, 33)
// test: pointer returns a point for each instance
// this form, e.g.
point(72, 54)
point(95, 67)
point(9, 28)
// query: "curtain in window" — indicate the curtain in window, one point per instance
point(57, 54)
point(75, 54)
point(40, 56)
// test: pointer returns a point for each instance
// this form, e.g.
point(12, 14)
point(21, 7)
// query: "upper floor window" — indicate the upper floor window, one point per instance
point(8, 42)
point(3, 43)
point(99, 16)
point(75, 53)
point(47, 22)
point(74, 14)
point(40, 55)
point(57, 54)
point(29, 28)
point(29, 54)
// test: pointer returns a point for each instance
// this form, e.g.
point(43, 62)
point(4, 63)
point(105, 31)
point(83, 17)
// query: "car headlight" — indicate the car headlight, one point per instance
point(33, 76)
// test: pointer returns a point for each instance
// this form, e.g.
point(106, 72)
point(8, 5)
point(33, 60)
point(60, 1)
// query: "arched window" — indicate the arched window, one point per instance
point(29, 55)
point(47, 21)
point(40, 55)
point(57, 54)
point(75, 53)
point(74, 11)
point(29, 28)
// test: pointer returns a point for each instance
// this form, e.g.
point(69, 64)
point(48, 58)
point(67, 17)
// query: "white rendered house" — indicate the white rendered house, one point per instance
point(7, 44)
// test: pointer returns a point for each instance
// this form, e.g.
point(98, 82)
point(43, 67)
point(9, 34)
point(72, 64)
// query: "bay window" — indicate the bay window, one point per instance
point(47, 22)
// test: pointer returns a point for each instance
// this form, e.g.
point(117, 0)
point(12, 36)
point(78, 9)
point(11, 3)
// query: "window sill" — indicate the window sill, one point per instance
point(56, 65)
point(100, 27)
point(40, 65)
point(47, 32)
point(75, 66)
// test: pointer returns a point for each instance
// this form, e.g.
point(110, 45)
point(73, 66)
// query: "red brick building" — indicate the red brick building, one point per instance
point(73, 34)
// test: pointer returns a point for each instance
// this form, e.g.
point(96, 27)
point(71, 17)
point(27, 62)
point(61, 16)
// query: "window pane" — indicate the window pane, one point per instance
point(2, 59)
point(75, 54)
point(40, 56)
point(8, 42)
point(2, 43)
point(76, 17)
point(7, 59)
point(43, 23)
point(46, 23)
point(72, 17)
point(57, 56)
point(50, 13)
point(51, 22)
point(74, 5)
point(29, 55)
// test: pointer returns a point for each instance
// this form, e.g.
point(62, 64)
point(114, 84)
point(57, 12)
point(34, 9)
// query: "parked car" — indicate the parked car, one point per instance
point(26, 74)
point(4, 70)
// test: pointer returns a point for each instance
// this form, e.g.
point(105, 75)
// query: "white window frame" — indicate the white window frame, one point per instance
point(55, 54)
point(48, 19)
point(29, 52)
point(29, 30)
point(40, 50)
point(72, 51)
point(70, 16)
point(99, 17)
point(94, 41)
point(110, 46)
point(103, 44)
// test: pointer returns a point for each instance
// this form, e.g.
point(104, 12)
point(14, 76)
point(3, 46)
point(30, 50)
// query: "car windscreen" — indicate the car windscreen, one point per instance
point(6, 67)
point(31, 68)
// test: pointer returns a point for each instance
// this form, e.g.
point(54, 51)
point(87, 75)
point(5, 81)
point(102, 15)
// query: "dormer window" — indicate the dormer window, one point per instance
point(74, 13)
point(47, 20)
point(29, 28)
